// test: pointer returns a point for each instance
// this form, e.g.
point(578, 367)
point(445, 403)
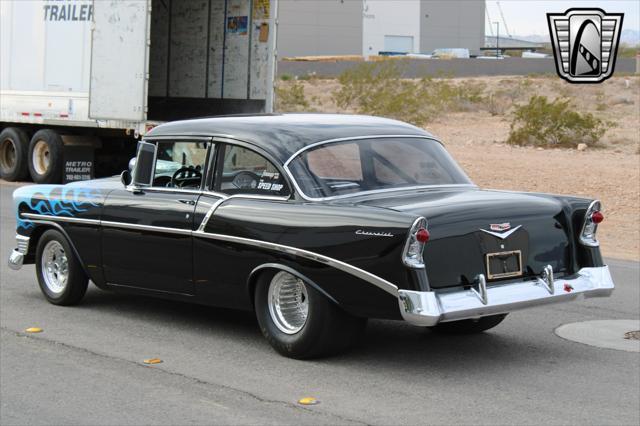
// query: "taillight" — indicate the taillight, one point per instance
point(592, 218)
point(418, 236)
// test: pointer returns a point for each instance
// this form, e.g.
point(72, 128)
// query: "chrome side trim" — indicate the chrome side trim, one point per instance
point(212, 209)
point(428, 308)
point(61, 218)
point(334, 263)
point(150, 228)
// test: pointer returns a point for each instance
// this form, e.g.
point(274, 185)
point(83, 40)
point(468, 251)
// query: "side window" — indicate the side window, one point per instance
point(246, 172)
point(180, 164)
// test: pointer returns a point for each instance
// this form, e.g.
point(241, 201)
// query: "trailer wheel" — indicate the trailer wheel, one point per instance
point(14, 145)
point(46, 157)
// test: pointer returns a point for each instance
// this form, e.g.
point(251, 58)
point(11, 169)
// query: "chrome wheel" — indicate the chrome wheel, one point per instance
point(8, 155)
point(55, 267)
point(40, 158)
point(288, 302)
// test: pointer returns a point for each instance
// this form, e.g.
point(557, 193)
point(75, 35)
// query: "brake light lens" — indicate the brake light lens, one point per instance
point(418, 236)
point(592, 218)
point(597, 217)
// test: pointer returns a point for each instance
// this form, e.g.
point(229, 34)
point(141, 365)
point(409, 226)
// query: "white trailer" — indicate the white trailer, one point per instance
point(97, 75)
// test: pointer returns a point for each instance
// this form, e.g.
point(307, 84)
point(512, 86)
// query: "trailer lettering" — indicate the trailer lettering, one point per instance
point(69, 11)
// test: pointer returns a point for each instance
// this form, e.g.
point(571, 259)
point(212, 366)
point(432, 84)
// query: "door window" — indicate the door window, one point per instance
point(180, 165)
point(246, 172)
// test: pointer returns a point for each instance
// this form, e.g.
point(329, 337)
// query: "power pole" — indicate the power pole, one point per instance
point(497, 38)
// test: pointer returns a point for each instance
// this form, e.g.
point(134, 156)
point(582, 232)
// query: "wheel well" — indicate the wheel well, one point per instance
point(255, 275)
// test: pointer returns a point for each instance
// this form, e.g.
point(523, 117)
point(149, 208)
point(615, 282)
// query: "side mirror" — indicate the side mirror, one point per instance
point(132, 164)
point(125, 178)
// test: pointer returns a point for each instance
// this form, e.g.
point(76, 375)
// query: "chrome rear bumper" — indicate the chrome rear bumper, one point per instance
point(16, 258)
point(428, 308)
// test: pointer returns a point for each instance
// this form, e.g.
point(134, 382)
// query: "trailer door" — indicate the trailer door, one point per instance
point(119, 58)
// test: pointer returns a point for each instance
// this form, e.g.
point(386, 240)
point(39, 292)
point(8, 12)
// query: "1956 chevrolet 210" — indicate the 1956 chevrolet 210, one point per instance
point(316, 222)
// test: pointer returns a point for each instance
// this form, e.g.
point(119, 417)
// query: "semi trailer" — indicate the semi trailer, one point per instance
point(81, 81)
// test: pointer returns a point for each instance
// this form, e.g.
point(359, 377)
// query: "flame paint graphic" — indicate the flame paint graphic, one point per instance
point(54, 200)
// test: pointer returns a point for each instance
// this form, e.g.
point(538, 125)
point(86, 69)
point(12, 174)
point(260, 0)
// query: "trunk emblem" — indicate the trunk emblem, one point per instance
point(500, 227)
point(501, 230)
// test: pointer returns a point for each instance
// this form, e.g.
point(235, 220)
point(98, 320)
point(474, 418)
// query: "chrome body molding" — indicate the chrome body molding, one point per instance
point(429, 308)
point(16, 258)
point(334, 263)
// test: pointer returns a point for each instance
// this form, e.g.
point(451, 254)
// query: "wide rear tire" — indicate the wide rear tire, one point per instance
point(469, 326)
point(14, 146)
point(311, 327)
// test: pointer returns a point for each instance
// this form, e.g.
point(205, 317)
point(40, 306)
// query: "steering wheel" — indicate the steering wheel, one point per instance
point(245, 180)
point(186, 176)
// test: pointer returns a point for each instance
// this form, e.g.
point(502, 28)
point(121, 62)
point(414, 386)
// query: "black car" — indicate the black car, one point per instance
point(317, 222)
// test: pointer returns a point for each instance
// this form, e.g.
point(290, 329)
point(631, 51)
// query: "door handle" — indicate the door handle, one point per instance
point(189, 202)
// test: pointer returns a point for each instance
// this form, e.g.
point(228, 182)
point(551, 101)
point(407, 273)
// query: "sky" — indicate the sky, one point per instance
point(528, 17)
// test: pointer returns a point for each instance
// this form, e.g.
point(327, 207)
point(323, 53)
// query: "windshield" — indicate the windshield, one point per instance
point(361, 165)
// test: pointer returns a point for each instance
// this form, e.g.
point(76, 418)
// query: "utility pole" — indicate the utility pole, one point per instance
point(497, 38)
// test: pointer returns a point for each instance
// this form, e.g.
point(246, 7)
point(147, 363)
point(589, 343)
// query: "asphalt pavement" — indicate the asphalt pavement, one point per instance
point(86, 367)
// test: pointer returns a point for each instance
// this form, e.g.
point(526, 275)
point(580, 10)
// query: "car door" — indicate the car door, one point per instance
point(146, 235)
point(243, 175)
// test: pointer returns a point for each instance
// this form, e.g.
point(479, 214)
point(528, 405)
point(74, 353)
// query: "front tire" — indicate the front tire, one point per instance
point(60, 275)
point(469, 326)
point(298, 321)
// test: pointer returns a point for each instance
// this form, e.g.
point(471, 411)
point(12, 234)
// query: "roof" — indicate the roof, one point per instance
point(282, 135)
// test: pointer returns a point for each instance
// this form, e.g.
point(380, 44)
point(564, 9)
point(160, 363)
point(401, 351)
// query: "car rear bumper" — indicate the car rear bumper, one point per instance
point(428, 308)
point(16, 258)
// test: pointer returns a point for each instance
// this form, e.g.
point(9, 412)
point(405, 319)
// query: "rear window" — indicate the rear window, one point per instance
point(370, 164)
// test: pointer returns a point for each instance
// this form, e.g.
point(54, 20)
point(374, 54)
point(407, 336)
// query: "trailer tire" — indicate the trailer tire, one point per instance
point(46, 157)
point(14, 147)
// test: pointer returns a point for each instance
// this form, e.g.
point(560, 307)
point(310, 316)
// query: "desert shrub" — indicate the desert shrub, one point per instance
point(379, 88)
point(290, 97)
point(498, 102)
point(286, 77)
point(554, 124)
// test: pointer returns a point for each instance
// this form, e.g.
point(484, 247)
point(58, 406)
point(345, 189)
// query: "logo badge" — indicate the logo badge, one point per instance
point(500, 227)
point(585, 43)
point(501, 230)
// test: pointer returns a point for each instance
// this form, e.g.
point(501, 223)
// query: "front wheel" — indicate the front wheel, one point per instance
point(60, 275)
point(469, 326)
point(300, 322)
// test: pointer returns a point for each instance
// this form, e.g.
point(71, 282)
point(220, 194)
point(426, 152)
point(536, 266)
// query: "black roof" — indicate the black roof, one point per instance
point(282, 135)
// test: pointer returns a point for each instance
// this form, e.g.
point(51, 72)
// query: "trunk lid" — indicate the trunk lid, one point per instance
point(458, 220)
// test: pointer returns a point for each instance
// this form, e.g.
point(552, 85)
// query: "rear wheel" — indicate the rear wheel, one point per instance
point(469, 326)
point(46, 157)
point(60, 275)
point(298, 321)
point(14, 145)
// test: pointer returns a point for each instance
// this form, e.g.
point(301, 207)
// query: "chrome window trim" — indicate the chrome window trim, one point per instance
point(373, 191)
point(334, 263)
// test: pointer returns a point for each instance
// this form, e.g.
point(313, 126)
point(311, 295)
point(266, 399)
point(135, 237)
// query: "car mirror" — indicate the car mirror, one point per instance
point(125, 177)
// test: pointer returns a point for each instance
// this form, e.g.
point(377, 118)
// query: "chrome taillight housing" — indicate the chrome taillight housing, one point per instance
point(413, 248)
point(592, 218)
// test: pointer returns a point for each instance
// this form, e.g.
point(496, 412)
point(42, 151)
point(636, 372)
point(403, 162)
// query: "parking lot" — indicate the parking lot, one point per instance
point(86, 367)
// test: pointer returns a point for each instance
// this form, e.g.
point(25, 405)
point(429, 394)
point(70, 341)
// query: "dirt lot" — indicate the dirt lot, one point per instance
point(610, 172)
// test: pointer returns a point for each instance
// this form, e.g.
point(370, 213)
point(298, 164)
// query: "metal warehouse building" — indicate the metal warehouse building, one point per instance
point(367, 27)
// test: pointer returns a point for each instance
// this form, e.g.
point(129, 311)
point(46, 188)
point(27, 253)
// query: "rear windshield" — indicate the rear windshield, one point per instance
point(355, 166)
